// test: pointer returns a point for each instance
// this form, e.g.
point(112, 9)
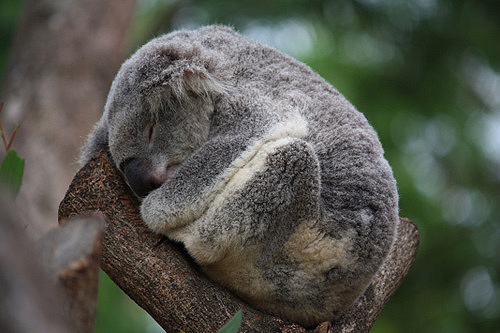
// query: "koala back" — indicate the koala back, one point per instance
point(358, 190)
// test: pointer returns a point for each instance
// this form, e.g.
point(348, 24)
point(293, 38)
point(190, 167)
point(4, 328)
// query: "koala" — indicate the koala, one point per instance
point(274, 183)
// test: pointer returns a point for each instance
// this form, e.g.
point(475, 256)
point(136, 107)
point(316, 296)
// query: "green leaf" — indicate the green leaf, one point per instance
point(11, 171)
point(232, 325)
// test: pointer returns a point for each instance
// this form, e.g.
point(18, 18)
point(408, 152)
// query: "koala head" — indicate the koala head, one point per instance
point(157, 113)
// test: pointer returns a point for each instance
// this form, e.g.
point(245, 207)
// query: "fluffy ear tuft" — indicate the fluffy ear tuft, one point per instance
point(186, 76)
point(195, 80)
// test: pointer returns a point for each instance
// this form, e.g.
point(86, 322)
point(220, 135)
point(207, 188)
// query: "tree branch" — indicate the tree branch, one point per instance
point(70, 254)
point(50, 285)
point(164, 280)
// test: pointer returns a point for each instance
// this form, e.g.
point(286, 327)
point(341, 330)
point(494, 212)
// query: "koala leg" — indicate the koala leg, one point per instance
point(243, 239)
point(264, 237)
point(268, 195)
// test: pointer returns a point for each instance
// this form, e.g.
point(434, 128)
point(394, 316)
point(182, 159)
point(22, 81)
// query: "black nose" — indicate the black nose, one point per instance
point(140, 179)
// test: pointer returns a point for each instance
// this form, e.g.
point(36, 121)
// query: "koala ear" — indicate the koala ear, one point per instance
point(96, 141)
point(188, 72)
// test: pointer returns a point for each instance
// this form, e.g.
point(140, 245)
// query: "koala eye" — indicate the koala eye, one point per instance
point(151, 132)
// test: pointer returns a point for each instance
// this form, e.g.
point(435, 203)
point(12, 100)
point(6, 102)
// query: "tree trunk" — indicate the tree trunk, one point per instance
point(159, 276)
point(61, 64)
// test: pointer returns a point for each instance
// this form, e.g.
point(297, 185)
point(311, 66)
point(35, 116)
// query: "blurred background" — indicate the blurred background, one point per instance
point(426, 74)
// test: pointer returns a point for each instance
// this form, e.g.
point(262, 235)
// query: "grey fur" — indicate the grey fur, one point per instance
point(280, 190)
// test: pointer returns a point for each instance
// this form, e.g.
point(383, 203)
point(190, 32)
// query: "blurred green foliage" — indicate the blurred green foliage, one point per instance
point(11, 172)
point(426, 74)
point(12, 165)
point(9, 14)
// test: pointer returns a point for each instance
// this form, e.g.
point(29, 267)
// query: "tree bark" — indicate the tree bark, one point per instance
point(165, 281)
point(61, 64)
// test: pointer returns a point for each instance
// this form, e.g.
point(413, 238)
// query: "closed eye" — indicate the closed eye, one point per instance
point(151, 133)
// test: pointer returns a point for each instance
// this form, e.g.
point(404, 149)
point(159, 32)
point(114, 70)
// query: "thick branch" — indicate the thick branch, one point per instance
point(162, 279)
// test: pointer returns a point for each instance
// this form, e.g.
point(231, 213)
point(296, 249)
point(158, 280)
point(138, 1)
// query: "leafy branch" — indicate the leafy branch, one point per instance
point(12, 167)
point(6, 143)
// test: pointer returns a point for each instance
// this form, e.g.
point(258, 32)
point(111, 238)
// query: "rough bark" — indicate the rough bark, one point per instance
point(70, 254)
point(61, 64)
point(162, 279)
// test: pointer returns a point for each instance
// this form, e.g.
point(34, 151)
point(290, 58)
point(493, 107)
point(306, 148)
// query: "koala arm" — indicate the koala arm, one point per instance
point(186, 196)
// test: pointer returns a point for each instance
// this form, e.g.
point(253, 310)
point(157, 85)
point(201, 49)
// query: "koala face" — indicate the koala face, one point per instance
point(150, 131)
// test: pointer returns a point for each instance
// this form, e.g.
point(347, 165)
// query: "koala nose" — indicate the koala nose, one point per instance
point(140, 179)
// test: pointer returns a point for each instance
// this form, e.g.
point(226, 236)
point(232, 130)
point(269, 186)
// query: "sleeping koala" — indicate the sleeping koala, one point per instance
point(276, 185)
